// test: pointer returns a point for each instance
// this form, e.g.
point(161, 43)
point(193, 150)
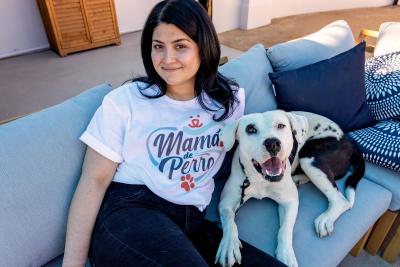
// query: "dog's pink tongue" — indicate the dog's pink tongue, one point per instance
point(272, 167)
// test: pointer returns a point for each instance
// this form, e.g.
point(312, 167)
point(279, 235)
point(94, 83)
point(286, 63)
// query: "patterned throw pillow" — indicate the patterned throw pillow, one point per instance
point(382, 83)
point(380, 144)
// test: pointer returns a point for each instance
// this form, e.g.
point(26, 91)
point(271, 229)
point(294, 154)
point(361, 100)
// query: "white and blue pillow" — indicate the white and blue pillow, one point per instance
point(382, 82)
point(380, 144)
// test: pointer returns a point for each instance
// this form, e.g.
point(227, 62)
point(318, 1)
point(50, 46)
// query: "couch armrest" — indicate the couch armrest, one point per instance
point(364, 33)
point(11, 119)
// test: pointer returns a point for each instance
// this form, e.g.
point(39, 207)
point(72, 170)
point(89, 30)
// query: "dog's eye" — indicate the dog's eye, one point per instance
point(250, 129)
point(281, 126)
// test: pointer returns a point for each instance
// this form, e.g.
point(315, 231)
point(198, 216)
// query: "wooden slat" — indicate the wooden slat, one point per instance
point(392, 251)
point(364, 34)
point(381, 228)
point(356, 250)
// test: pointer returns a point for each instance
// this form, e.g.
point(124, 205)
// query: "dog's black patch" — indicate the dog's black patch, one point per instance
point(331, 156)
point(294, 132)
point(317, 127)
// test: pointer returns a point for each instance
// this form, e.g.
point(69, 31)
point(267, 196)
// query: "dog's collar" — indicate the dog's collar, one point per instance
point(246, 183)
point(294, 150)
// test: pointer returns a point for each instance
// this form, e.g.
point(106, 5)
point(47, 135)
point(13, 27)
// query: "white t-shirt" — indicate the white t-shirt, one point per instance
point(171, 146)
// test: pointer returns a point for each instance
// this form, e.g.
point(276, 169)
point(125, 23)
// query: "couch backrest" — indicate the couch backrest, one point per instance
point(40, 164)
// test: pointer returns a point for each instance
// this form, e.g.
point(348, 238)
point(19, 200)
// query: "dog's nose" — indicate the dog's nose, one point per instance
point(272, 145)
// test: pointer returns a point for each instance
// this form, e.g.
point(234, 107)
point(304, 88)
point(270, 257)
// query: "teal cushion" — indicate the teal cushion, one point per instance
point(250, 70)
point(387, 178)
point(333, 39)
point(41, 158)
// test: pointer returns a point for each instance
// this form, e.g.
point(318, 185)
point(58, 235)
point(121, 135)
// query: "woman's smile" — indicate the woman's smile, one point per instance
point(175, 58)
point(171, 69)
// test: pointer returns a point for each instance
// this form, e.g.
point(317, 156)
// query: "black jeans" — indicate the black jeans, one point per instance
point(135, 227)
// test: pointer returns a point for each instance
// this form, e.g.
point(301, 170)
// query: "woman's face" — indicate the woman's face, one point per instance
point(175, 56)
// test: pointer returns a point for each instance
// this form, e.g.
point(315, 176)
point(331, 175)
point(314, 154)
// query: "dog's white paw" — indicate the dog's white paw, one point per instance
point(300, 179)
point(286, 255)
point(324, 224)
point(229, 250)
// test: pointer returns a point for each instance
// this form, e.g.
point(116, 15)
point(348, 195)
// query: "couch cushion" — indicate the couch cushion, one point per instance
point(41, 158)
point(333, 39)
point(382, 83)
point(334, 88)
point(250, 70)
point(388, 38)
point(258, 222)
point(387, 178)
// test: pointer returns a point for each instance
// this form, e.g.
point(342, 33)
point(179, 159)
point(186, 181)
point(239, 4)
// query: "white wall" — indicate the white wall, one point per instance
point(22, 30)
point(226, 14)
point(132, 13)
point(256, 13)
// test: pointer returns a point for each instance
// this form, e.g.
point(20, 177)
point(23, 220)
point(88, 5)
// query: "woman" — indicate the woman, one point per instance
point(153, 150)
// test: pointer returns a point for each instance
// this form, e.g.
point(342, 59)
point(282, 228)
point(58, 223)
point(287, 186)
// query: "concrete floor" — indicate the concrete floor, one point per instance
point(32, 82)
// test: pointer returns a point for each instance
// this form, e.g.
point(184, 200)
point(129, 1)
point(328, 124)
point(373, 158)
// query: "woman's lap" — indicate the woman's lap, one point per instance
point(137, 228)
point(148, 238)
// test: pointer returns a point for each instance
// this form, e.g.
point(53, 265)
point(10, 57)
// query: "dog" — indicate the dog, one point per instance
point(277, 151)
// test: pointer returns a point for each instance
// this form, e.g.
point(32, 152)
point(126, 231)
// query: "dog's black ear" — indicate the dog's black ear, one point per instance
point(299, 126)
point(228, 135)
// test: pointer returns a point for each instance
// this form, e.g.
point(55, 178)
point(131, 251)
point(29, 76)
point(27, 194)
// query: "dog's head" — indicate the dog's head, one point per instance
point(266, 140)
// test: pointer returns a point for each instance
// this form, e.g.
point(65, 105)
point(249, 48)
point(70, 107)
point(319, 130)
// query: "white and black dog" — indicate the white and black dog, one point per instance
point(276, 150)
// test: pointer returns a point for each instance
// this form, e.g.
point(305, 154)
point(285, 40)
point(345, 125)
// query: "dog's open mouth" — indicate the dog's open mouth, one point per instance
point(272, 169)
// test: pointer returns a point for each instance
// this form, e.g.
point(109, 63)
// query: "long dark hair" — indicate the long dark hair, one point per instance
point(191, 18)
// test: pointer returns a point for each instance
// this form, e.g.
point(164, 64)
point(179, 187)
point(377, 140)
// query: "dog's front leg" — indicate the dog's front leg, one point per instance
point(287, 217)
point(229, 248)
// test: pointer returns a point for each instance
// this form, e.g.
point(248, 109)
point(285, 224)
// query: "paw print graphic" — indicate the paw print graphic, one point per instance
point(187, 182)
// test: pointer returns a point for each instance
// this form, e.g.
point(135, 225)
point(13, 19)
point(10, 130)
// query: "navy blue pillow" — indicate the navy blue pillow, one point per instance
point(382, 82)
point(334, 88)
point(380, 144)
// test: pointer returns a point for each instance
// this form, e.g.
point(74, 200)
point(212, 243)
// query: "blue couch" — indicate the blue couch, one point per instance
point(40, 164)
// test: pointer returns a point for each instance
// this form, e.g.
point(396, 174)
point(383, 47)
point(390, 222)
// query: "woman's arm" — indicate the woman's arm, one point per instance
point(97, 174)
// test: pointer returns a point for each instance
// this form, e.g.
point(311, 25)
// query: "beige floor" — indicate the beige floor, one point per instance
point(288, 28)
